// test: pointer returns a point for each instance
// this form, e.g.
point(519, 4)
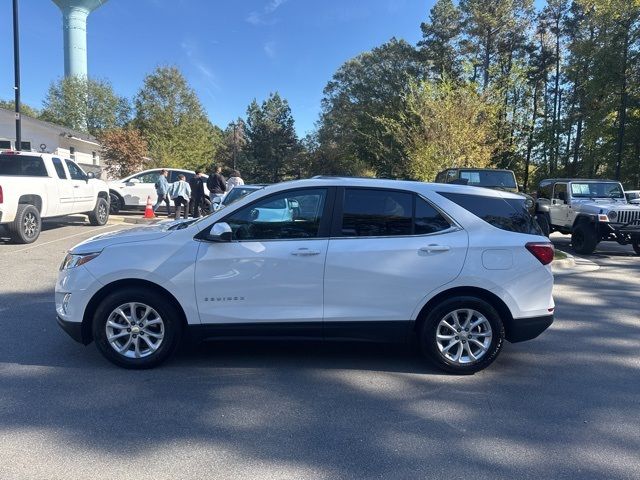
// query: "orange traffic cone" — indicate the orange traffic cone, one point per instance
point(148, 211)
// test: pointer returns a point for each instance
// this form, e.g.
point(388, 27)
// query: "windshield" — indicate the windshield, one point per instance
point(489, 178)
point(597, 190)
point(236, 194)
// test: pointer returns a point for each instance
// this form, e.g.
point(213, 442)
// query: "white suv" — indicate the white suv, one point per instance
point(462, 268)
point(133, 191)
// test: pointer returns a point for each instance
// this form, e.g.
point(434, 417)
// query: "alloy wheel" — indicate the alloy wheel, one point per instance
point(463, 336)
point(30, 225)
point(135, 330)
point(102, 212)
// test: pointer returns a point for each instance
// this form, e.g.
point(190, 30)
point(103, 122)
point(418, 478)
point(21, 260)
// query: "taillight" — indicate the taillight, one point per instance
point(542, 251)
point(1, 195)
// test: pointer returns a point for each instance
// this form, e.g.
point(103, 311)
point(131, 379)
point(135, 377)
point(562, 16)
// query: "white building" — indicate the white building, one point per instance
point(39, 136)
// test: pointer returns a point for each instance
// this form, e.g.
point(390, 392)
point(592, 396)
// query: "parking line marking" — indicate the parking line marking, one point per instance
point(56, 240)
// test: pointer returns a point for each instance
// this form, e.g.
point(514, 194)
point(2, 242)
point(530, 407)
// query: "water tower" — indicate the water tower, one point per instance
point(74, 21)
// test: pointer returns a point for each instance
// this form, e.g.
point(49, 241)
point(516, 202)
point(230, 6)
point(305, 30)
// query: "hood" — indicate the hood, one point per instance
point(138, 234)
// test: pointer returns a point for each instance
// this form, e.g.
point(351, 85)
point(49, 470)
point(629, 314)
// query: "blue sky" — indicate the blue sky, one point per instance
point(230, 51)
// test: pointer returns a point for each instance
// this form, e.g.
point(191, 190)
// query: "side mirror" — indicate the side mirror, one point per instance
point(91, 176)
point(521, 188)
point(220, 232)
point(133, 181)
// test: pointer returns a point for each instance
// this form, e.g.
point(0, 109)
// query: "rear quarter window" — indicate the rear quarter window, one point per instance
point(506, 214)
point(22, 166)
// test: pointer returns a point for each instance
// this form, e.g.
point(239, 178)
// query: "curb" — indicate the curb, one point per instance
point(142, 221)
point(568, 262)
point(572, 264)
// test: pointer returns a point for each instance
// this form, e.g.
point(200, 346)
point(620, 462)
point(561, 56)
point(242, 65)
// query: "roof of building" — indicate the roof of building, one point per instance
point(61, 130)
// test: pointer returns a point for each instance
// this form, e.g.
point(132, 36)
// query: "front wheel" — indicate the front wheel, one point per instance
point(584, 239)
point(100, 214)
point(136, 329)
point(636, 246)
point(462, 335)
point(27, 224)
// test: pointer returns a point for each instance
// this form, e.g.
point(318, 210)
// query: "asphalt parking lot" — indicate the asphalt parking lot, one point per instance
point(565, 405)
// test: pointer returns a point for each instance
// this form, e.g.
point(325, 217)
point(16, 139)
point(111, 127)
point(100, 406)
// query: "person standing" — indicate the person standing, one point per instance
point(217, 186)
point(180, 193)
point(162, 190)
point(197, 194)
point(234, 180)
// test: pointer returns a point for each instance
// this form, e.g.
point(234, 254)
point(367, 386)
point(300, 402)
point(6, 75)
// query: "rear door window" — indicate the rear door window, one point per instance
point(388, 213)
point(22, 165)
point(376, 213)
point(57, 164)
point(506, 214)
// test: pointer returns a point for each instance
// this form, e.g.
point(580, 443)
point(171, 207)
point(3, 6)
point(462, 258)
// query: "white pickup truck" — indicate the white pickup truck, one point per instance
point(34, 186)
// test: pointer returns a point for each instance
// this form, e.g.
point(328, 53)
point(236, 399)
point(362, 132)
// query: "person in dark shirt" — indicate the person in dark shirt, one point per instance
point(217, 186)
point(197, 194)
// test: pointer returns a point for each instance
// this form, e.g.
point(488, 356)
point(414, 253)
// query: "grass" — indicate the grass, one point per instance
point(560, 255)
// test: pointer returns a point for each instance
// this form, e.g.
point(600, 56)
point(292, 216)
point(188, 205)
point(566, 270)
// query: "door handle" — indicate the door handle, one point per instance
point(305, 252)
point(76, 186)
point(435, 248)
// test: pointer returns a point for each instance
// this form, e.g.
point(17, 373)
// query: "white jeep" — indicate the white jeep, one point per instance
point(34, 186)
point(592, 211)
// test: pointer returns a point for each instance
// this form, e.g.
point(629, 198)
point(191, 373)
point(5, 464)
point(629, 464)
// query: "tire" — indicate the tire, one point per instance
point(115, 204)
point(489, 335)
point(543, 223)
point(27, 225)
point(100, 214)
point(636, 246)
point(584, 239)
point(165, 335)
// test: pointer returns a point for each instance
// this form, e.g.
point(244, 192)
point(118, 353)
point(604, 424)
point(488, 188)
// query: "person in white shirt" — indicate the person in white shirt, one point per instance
point(234, 180)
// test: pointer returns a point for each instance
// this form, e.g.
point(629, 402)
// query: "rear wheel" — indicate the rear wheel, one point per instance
point(100, 214)
point(136, 328)
point(27, 224)
point(584, 238)
point(462, 335)
point(636, 246)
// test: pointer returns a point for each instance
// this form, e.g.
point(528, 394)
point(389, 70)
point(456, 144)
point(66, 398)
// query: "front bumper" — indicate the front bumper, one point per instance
point(522, 329)
point(74, 329)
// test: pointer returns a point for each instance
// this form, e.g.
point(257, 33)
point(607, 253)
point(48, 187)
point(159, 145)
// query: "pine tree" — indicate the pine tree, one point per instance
point(440, 37)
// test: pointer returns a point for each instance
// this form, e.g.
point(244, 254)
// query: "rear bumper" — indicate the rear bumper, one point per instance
point(73, 329)
point(522, 329)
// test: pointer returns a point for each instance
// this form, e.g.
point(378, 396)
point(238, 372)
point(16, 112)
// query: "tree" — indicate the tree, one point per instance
point(232, 150)
point(365, 88)
point(123, 151)
point(490, 27)
point(24, 109)
point(444, 125)
point(173, 122)
point(272, 143)
point(440, 37)
point(86, 105)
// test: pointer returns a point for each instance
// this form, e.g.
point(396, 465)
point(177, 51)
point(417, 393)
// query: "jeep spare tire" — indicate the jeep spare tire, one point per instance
point(543, 223)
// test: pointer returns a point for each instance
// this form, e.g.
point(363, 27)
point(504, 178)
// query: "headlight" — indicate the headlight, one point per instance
point(74, 260)
point(612, 215)
point(528, 203)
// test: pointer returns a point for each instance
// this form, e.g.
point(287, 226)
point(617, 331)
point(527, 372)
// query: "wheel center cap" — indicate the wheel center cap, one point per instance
point(135, 330)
